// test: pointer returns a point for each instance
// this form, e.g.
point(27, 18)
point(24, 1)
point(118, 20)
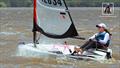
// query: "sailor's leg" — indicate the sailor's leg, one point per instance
point(92, 44)
point(101, 46)
point(86, 43)
point(77, 50)
point(89, 44)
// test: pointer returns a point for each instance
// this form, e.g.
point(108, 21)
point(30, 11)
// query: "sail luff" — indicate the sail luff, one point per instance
point(34, 16)
point(34, 23)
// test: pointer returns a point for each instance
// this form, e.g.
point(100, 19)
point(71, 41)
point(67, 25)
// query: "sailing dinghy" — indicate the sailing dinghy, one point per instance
point(53, 20)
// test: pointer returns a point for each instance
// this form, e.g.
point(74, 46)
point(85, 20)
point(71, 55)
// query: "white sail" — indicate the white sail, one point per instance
point(53, 19)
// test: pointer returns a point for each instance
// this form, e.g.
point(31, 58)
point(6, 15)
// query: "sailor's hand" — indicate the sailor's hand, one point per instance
point(94, 40)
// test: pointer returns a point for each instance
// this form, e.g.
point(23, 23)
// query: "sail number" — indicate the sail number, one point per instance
point(53, 2)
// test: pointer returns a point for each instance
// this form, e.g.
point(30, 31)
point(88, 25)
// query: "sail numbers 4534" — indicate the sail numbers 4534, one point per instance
point(53, 2)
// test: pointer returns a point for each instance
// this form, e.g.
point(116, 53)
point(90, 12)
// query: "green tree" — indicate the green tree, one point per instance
point(2, 4)
point(20, 3)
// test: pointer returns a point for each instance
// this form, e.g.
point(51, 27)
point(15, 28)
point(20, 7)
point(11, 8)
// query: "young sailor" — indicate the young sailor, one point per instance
point(99, 40)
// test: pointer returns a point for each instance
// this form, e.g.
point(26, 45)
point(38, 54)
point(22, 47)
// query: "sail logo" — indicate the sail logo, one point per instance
point(107, 8)
point(53, 2)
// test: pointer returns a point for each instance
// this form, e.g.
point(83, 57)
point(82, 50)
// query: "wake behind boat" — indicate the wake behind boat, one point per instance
point(53, 19)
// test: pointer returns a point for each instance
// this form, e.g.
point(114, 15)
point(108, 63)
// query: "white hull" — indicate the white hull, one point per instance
point(62, 49)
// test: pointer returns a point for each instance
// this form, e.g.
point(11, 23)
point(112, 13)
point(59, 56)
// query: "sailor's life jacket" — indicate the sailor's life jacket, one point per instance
point(101, 36)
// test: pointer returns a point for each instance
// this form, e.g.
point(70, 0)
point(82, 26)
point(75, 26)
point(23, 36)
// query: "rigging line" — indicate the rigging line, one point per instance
point(38, 38)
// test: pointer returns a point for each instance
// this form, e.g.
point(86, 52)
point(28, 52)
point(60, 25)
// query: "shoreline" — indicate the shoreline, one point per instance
point(116, 8)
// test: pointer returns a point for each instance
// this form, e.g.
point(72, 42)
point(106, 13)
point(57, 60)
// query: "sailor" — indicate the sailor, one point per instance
point(99, 40)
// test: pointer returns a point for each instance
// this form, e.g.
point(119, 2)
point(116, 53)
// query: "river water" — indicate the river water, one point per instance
point(16, 27)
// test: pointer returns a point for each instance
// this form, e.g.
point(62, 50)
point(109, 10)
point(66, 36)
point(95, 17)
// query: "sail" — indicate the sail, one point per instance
point(52, 18)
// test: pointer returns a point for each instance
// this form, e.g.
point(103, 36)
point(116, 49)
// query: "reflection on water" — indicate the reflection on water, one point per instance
point(16, 26)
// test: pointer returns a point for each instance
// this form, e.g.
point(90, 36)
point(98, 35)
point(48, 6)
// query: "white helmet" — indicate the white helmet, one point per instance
point(102, 25)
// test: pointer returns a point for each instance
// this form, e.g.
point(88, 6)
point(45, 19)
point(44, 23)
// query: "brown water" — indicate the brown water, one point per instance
point(16, 26)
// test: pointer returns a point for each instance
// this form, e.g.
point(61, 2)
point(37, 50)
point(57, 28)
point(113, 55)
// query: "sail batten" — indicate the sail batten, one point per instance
point(52, 20)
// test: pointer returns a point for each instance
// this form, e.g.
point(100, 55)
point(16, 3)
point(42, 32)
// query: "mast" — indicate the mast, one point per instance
point(34, 23)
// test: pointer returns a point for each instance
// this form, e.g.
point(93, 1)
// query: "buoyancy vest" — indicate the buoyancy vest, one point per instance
point(101, 36)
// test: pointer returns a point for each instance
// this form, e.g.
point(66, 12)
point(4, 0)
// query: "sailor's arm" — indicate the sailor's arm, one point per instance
point(106, 38)
point(93, 37)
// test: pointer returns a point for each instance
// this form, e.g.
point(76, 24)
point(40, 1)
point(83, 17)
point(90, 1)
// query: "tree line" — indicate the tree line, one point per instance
point(71, 3)
point(16, 3)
